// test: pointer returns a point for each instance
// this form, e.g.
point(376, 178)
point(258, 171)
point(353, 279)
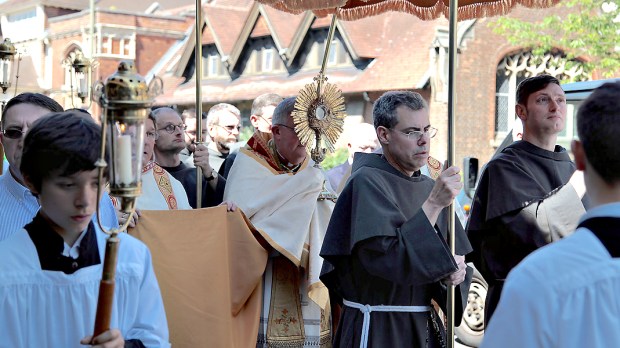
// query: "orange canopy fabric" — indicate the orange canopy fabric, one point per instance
point(209, 267)
point(424, 9)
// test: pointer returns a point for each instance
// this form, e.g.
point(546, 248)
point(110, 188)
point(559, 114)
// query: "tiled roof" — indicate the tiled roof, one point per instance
point(226, 24)
point(11, 5)
point(140, 5)
point(250, 87)
point(403, 47)
point(260, 28)
point(284, 24)
point(397, 43)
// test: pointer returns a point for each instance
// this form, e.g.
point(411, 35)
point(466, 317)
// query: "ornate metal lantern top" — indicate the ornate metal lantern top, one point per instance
point(7, 50)
point(79, 63)
point(125, 89)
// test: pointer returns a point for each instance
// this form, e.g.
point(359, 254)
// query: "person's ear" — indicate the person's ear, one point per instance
point(210, 130)
point(383, 134)
point(30, 185)
point(521, 111)
point(579, 153)
point(254, 121)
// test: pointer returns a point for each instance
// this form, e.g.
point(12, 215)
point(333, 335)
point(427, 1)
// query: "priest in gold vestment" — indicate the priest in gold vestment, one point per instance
point(275, 184)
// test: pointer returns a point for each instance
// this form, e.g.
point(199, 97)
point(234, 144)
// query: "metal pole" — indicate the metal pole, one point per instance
point(198, 65)
point(328, 44)
point(451, 152)
point(92, 30)
point(92, 50)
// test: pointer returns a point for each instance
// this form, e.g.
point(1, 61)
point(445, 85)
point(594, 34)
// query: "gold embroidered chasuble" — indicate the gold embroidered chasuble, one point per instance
point(282, 204)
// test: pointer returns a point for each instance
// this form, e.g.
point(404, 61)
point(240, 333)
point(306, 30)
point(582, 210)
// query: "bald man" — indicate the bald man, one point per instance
point(362, 138)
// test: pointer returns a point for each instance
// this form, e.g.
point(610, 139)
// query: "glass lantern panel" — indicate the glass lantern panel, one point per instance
point(126, 141)
point(82, 83)
point(5, 71)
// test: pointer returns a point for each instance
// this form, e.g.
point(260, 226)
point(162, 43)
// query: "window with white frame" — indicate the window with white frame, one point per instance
point(212, 66)
point(118, 46)
point(515, 68)
point(267, 61)
point(332, 59)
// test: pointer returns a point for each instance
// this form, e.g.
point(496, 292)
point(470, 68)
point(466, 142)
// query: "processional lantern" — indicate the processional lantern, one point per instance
point(126, 99)
point(7, 55)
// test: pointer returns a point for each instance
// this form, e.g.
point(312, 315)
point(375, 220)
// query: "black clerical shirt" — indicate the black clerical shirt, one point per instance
point(50, 245)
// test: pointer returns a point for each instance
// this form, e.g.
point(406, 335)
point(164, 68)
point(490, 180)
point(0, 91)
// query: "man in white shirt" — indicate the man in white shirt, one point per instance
point(17, 204)
point(566, 294)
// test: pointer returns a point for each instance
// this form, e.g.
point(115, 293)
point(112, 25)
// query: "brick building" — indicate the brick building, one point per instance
point(46, 32)
point(250, 49)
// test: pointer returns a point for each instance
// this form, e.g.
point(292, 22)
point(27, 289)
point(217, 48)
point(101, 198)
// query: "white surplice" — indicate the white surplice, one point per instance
point(52, 309)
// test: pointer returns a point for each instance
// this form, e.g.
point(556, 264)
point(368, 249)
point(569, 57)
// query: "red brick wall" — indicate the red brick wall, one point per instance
point(476, 71)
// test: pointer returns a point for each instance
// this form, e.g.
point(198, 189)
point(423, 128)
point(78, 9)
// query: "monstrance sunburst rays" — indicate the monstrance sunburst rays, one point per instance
point(319, 117)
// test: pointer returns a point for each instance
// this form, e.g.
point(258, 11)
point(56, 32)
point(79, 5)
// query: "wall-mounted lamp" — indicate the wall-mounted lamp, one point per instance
point(79, 68)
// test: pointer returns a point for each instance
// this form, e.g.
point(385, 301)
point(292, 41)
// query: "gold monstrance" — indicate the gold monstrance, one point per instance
point(319, 115)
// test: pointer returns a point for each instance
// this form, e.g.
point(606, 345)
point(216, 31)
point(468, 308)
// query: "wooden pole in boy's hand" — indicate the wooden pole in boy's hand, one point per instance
point(106, 287)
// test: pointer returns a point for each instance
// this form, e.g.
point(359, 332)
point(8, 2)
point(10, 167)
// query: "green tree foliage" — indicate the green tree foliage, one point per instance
point(589, 33)
point(336, 158)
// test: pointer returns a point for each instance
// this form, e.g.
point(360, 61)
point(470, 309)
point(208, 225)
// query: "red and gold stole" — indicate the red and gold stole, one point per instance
point(259, 144)
point(163, 183)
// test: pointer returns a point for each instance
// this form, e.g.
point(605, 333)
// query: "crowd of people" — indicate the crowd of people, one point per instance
point(369, 270)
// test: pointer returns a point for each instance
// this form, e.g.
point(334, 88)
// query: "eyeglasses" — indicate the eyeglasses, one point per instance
point(264, 119)
point(152, 135)
point(171, 128)
point(285, 126)
point(230, 129)
point(14, 133)
point(417, 135)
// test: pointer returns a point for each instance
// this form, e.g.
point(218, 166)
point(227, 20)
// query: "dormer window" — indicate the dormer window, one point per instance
point(267, 59)
point(334, 52)
point(213, 65)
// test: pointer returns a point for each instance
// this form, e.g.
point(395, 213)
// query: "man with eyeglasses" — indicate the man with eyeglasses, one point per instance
point(223, 126)
point(18, 205)
point(262, 113)
point(160, 190)
point(529, 194)
point(170, 142)
point(385, 251)
point(276, 185)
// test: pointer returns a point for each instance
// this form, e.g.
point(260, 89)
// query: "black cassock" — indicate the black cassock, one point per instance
point(380, 249)
point(503, 227)
point(187, 176)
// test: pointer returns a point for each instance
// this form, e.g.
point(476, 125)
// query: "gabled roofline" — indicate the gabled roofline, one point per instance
point(250, 22)
point(191, 45)
point(187, 53)
point(274, 34)
point(216, 39)
point(298, 38)
point(347, 40)
point(301, 33)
